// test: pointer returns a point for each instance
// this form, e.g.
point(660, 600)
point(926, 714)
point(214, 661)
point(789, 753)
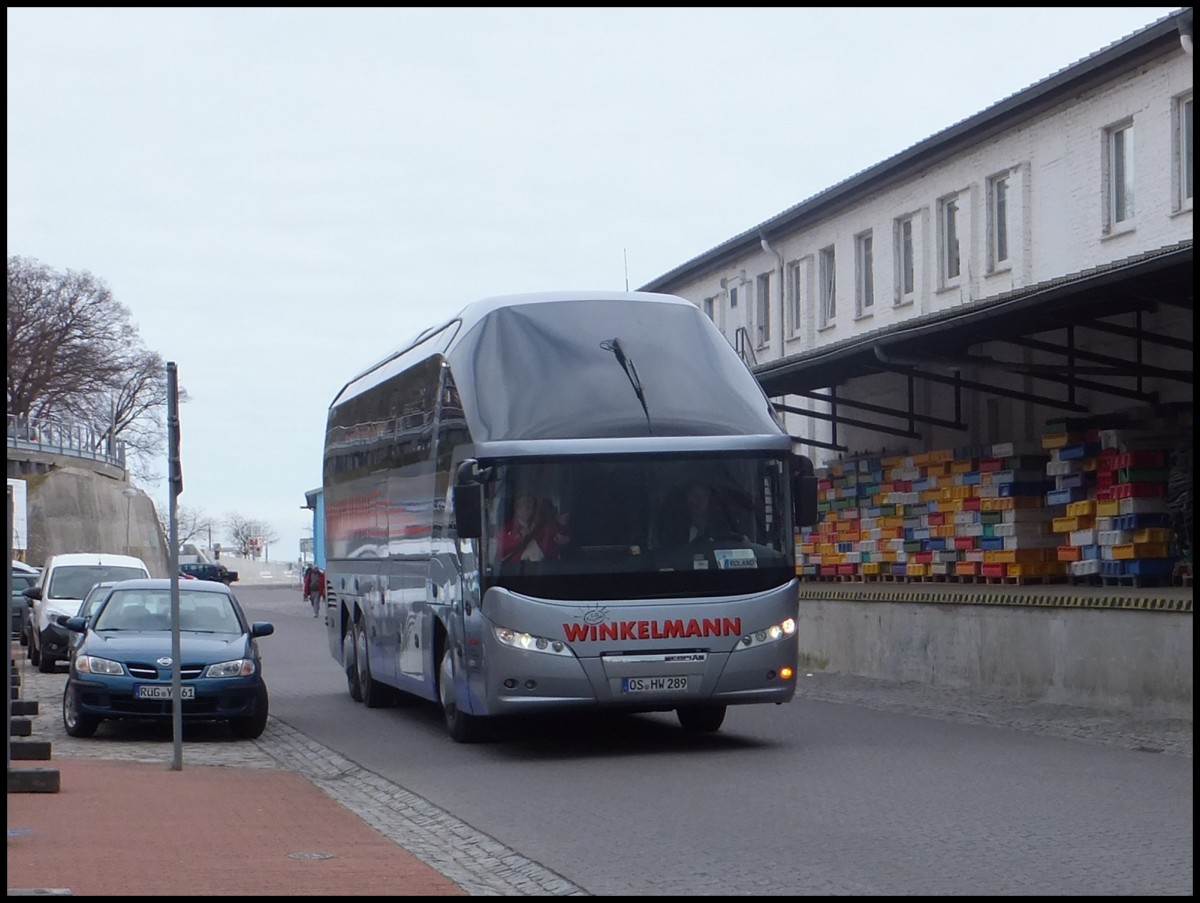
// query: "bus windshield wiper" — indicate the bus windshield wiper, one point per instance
point(614, 345)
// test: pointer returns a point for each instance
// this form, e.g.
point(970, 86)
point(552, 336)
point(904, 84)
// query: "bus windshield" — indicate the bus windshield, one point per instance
point(639, 527)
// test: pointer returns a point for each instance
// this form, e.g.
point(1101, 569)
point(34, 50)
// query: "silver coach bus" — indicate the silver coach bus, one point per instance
point(563, 501)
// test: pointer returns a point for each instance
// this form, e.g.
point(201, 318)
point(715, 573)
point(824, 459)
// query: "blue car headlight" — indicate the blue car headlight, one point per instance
point(242, 667)
point(90, 664)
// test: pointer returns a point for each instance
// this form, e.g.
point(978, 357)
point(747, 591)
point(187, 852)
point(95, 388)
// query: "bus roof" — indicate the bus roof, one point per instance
point(587, 364)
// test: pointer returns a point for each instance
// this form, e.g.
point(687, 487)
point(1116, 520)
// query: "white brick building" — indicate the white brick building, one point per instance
point(1033, 261)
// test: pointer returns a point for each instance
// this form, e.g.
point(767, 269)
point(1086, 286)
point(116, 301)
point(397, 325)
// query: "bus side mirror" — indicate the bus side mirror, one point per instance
point(804, 492)
point(468, 501)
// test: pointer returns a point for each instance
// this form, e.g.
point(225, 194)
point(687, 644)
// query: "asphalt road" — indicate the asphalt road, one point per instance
point(853, 788)
point(856, 787)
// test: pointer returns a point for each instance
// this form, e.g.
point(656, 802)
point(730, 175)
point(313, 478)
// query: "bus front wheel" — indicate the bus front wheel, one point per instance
point(701, 719)
point(462, 727)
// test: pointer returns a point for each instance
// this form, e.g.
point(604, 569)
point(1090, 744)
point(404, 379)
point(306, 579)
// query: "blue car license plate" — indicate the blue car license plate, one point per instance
point(159, 691)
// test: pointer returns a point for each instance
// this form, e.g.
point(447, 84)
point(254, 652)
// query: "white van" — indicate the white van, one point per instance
point(64, 581)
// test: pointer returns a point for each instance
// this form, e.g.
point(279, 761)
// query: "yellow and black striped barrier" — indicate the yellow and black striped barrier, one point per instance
point(1166, 599)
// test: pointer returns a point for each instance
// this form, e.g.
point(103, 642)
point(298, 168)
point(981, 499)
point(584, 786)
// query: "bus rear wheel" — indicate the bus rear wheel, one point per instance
point(374, 695)
point(701, 719)
point(462, 726)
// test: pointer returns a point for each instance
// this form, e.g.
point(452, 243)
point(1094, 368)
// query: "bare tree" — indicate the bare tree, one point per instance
point(190, 523)
point(73, 354)
point(249, 536)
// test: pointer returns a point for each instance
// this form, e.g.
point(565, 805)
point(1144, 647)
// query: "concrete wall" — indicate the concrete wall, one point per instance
point(78, 510)
point(1121, 659)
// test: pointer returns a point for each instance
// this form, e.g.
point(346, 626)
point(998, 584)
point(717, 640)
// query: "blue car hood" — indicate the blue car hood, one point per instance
point(149, 644)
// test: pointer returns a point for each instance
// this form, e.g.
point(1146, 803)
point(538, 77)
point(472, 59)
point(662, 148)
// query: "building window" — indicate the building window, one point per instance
point(864, 274)
point(949, 244)
point(709, 307)
point(828, 275)
point(1118, 169)
point(795, 296)
point(733, 296)
point(762, 309)
point(1183, 152)
point(906, 282)
point(998, 221)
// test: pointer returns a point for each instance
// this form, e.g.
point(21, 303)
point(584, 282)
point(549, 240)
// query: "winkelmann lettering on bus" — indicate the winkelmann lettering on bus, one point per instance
point(602, 451)
point(653, 630)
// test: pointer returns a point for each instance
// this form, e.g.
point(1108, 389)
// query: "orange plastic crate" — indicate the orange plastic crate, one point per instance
point(1069, 553)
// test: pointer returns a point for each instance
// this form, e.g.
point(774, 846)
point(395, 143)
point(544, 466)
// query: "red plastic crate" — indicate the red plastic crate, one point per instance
point(1141, 459)
point(995, 570)
point(1138, 490)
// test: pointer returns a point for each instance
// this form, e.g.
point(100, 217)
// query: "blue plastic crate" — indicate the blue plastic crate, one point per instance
point(1078, 452)
point(1112, 568)
point(1038, 488)
point(1140, 521)
point(1149, 567)
point(1065, 496)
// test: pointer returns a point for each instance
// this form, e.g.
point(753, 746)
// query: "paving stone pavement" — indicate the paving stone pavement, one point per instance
point(483, 866)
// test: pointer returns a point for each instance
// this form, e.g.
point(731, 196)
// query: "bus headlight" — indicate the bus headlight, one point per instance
point(772, 634)
point(530, 643)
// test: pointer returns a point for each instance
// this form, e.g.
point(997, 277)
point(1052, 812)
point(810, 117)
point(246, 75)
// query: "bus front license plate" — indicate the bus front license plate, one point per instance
point(653, 684)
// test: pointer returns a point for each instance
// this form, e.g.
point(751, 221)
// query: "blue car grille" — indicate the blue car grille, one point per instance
point(148, 671)
point(125, 705)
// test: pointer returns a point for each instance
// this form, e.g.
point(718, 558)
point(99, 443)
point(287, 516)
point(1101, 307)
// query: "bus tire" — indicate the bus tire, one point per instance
point(701, 719)
point(350, 664)
point(462, 727)
point(374, 694)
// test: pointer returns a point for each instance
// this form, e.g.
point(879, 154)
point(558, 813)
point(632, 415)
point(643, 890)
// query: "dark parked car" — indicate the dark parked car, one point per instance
point(122, 667)
point(206, 571)
point(19, 604)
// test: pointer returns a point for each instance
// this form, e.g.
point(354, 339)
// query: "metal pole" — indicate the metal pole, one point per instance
point(8, 668)
point(175, 487)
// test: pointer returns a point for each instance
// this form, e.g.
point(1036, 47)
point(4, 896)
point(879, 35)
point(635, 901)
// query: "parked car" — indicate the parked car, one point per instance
point(203, 570)
point(18, 604)
point(60, 589)
point(90, 605)
point(122, 666)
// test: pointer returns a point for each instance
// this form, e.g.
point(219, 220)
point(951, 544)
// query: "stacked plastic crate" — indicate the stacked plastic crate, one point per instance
point(1014, 520)
point(973, 512)
point(1133, 524)
point(831, 548)
point(1072, 466)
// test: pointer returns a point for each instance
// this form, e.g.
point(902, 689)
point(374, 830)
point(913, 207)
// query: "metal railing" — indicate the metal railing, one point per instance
point(79, 440)
point(742, 346)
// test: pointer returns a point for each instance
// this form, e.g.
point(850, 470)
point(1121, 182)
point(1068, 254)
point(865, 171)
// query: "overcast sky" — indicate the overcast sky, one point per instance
point(281, 197)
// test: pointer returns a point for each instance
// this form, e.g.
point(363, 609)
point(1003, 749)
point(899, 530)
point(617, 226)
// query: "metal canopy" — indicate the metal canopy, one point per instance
point(1049, 318)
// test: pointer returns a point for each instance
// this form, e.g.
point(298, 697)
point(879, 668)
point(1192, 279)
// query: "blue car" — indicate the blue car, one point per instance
point(122, 666)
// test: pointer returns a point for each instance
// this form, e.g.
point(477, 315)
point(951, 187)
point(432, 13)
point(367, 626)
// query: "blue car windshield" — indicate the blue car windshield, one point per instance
point(150, 609)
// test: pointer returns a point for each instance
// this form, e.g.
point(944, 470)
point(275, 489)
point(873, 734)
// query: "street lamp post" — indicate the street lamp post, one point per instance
point(129, 492)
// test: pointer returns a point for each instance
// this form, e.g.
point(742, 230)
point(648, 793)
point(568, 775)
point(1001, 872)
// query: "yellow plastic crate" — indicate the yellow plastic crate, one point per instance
point(1071, 524)
point(1083, 508)
point(1140, 550)
point(1152, 534)
point(1108, 507)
